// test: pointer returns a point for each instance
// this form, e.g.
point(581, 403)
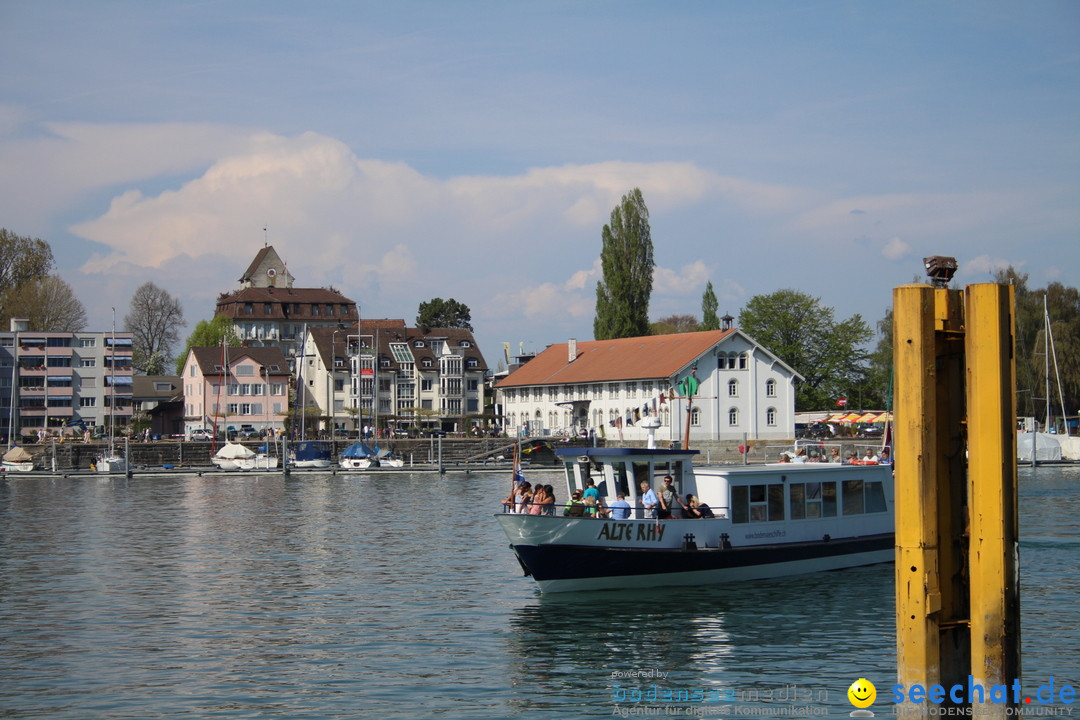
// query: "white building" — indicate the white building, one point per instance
point(608, 387)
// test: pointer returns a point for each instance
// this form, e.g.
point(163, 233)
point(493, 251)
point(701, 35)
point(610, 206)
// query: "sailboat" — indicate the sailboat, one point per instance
point(1047, 446)
point(110, 462)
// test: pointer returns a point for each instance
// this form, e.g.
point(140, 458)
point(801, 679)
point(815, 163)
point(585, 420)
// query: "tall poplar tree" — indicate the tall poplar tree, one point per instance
point(709, 305)
point(626, 259)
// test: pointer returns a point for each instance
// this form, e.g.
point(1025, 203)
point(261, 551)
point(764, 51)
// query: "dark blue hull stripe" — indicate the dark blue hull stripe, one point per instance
point(575, 562)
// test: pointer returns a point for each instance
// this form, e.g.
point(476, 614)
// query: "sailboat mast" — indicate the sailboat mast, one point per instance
point(1046, 360)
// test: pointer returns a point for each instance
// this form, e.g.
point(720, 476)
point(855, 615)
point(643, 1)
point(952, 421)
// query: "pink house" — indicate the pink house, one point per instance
point(241, 387)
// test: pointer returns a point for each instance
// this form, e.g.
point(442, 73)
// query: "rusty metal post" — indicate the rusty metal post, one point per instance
point(931, 610)
point(992, 488)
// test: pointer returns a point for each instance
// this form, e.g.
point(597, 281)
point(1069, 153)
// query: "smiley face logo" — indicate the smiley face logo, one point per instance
point(862, 693)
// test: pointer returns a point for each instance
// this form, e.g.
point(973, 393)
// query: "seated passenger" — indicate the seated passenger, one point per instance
point(697, 509)
point(886, 457)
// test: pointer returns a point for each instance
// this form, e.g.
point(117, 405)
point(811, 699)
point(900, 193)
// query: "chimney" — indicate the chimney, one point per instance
point(571, 349)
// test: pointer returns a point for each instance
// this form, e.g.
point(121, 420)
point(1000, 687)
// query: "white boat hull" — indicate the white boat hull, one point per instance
point(111, 464)
point(356, 463)
point(18, 466)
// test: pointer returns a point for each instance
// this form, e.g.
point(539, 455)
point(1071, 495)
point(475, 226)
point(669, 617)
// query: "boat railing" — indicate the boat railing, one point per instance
point(637, 512)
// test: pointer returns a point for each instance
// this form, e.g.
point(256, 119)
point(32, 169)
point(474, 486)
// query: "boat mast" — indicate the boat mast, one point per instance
point(1057, 370)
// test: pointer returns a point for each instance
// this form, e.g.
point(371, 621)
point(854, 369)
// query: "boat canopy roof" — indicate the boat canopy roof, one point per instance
point(231, 451)
point(357, 450)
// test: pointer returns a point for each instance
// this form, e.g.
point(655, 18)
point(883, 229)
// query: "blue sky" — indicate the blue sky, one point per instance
point(409, 150)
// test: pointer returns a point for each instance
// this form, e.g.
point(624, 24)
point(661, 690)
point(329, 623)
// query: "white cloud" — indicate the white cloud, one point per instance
point(985, 266)
point(690, 279)
point(896, 249)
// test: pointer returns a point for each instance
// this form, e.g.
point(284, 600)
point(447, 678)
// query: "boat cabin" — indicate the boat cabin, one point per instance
point(622, 470)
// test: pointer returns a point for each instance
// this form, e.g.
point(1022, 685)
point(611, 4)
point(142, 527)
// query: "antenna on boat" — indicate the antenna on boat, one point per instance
point(651, 424)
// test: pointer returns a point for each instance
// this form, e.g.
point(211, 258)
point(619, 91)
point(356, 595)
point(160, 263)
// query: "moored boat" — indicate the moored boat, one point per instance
point(768, 521)
point(312, 454)
point(358, 456)
point(230, 455)
point(17, 460)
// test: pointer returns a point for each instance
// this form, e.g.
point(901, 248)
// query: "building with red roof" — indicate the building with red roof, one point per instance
point(614, 387)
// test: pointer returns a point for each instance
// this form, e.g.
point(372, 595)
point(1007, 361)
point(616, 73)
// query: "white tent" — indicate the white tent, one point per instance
point(1070, 447)
point(231, 451)
point(1047, 447)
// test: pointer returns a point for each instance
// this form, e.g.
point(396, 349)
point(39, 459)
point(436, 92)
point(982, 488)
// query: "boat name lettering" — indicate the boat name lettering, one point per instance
point(771, 534)
point(649, 532)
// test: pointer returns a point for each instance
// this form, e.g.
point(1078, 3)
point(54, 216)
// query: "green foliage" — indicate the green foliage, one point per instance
point(439, 313)
point(674, 324)
point(626, 258)
point(208, 334)
point(709, 305)
point(1032, 354)
point(805, 335)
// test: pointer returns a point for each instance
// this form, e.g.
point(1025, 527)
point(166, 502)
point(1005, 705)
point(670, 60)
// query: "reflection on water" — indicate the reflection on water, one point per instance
point(807, 634)
point(323, 596)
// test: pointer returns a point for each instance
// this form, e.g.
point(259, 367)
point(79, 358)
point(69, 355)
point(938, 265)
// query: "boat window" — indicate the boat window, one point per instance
point(740, 504)
point(759, 509)
point(875, 497)
point(853, 497)
point(828, 499)
point(797, 497)
point(622, 485)
point(776, 503)
point(571, 476)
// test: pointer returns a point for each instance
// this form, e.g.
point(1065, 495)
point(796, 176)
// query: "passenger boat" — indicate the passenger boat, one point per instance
point(770, 521)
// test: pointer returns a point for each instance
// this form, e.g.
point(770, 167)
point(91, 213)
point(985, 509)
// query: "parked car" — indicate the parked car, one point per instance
point(202, 435)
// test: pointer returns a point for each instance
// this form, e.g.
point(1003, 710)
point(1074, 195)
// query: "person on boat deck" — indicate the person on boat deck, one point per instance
point(886, 457)
point(670, 501)
point(834, 455)
point(620, 509)
point(523, 497)
point(851, 458)
point(800, 456)
point(649, 500)
point(549, 500)
point(870, 457)
point(574, 506)
point(592, 492)
point(538, 499)
point(695, 509)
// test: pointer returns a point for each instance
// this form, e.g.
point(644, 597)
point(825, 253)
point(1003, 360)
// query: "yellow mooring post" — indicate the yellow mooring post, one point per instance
point(992, 492)
point(934, 351)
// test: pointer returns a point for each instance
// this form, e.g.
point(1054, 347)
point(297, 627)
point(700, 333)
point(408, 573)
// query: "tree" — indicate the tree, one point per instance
point(439, 313)
point(48, 303)
point(804, 334)
point(709, 319)
point(626, 258)
point(208, 334)
point(154, 321)
point(674, 324)
point(22, 259)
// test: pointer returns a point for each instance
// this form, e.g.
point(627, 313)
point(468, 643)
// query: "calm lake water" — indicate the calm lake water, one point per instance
point(241, 596)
